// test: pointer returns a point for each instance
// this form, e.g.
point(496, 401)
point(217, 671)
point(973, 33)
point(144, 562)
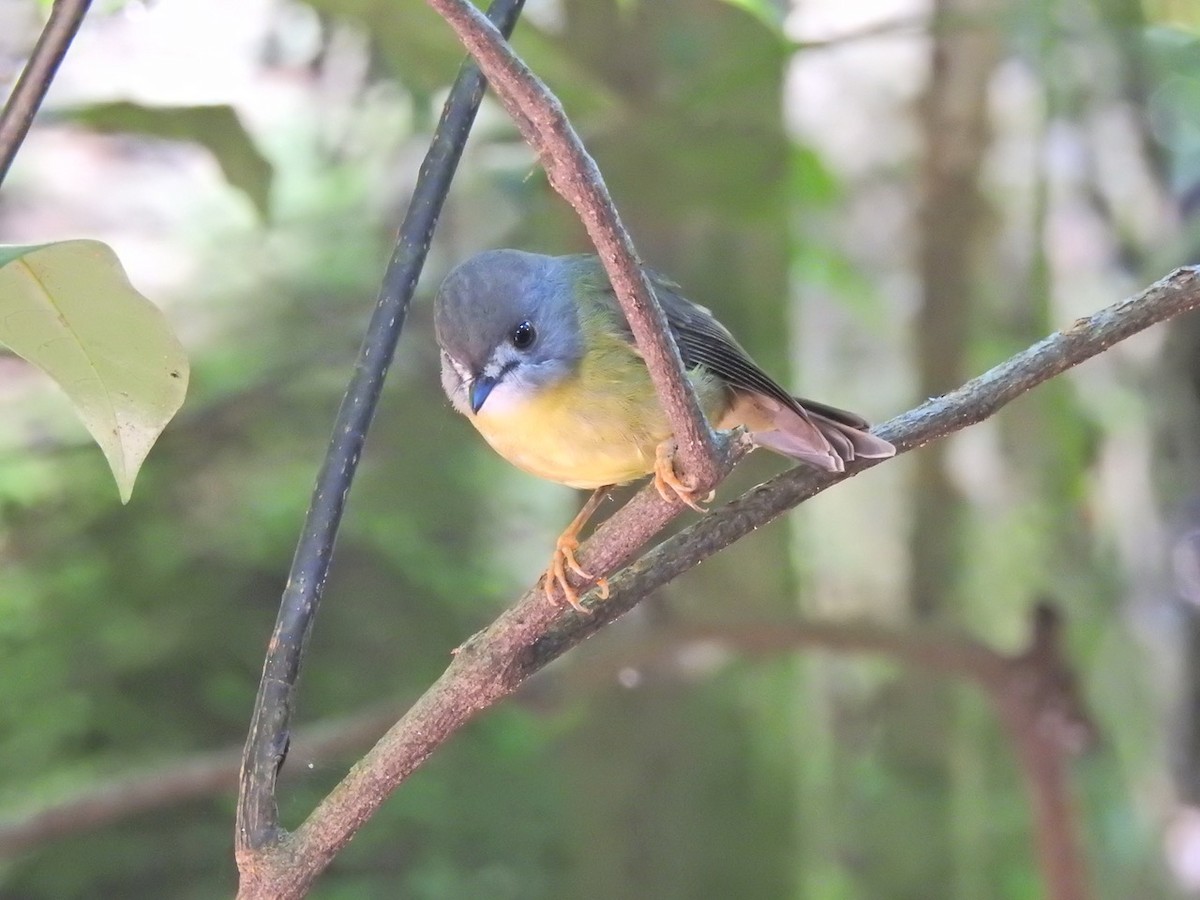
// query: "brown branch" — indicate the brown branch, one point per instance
point(705, 458)
point(1037, 681)
point(190, 778)
point(22, 105)
point(975, 401)
point(1041, 708)
point(919, 647)
point(493, 663)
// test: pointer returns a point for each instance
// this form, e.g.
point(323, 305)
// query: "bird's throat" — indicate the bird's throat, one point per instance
point(584, 431)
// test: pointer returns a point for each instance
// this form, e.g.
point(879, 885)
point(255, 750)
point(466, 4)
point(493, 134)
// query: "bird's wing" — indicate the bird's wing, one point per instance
point(703, 341)
point(822, 435)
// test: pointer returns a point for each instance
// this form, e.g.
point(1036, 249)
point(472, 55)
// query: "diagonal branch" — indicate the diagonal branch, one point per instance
point(975, 401)
point(493, 663)
point(22, 105)
point(267, 741)
point(705, 457)
point(1037, 698)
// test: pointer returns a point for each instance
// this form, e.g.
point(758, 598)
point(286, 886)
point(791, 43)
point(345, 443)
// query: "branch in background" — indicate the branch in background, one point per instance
point(1039, 699)
point(899, 26)
point(1034, 693)
point(190, 778)
point(908, 26)
point(493, 663)
point(572, 172)
point(1041, 708)
point(65, 18)
point(267, 741)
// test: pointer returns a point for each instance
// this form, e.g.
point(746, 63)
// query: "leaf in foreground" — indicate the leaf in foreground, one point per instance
point(69, 309)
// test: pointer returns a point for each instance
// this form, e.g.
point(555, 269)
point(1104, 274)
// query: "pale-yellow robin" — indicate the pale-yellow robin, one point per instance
point(537, 354)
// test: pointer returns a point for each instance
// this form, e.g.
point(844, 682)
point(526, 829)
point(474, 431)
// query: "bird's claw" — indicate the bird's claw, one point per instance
point(669, 485)
point(561, 563)
point(564, 562)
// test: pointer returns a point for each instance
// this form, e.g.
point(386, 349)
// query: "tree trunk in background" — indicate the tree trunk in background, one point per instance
point(955, 129)
point(678, 763)
point(1178, 448)
point(929, 743)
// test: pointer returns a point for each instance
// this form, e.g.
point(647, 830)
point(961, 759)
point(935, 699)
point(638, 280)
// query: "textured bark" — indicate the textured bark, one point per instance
point(534, 631)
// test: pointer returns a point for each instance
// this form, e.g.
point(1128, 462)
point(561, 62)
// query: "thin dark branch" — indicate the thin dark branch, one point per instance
point(267, 742)
point(178, 781)
point(493, 663)
point(572, 172)
point(65, 18)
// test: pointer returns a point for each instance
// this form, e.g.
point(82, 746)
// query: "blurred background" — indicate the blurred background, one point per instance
point(881, 198)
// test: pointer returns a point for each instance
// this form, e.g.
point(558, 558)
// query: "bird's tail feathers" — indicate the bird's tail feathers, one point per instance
point(822, 436)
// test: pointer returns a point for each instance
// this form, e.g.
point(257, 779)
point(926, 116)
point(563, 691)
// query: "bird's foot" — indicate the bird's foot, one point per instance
point(563, 562)
point(669, 485)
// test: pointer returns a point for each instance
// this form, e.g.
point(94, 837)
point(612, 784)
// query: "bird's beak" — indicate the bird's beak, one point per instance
point(480, 388)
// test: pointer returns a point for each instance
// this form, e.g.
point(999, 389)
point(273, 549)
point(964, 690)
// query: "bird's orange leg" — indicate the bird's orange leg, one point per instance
point(669, 485)
point(563, 560)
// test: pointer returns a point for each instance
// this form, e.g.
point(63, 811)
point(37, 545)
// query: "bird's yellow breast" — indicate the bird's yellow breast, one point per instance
point(596, 427)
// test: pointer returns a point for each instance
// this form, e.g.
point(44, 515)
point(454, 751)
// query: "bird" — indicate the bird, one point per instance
point(537, 354)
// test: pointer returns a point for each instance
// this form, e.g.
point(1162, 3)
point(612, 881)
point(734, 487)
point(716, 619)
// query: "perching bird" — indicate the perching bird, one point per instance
point(537, 354)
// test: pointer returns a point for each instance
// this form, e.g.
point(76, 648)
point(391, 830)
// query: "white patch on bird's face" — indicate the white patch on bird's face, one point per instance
point(518, 379)
point(506, 398)
point(456, 382)
point(463, 373)
point(513, 389)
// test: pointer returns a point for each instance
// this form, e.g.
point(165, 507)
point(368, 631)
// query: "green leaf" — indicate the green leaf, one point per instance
point(216, 128)
point(69, 309)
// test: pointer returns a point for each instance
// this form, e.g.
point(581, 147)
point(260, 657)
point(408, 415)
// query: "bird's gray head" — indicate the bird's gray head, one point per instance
point(507, 325)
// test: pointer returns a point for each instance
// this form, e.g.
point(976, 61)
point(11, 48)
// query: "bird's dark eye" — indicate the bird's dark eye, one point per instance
point(523, 336)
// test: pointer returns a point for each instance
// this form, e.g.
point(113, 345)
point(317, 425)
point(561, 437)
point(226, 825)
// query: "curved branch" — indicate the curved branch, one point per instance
point(526, 637)
point(705, 457)
point(22, 105)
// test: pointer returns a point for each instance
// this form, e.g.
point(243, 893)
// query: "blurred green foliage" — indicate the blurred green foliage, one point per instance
point(216, 128)
point(130, 637)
